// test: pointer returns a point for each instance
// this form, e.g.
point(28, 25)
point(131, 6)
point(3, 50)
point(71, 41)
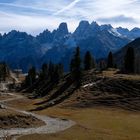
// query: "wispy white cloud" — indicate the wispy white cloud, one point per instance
point(36, 15)
point(71, 5)
point(117, 19)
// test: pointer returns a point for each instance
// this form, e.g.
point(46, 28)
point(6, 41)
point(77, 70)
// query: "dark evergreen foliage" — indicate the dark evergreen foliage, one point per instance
point(129, 61)
point(31, 77)
point(76, 66)
point(110, 63)
point(57, 73)
point(51, 72)
point(89, 62)
point(102, 65)
point(44, 72)
point(3, 71)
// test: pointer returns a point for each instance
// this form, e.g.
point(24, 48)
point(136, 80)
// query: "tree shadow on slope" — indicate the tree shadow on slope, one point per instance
point(63, 92)
point(118, 93)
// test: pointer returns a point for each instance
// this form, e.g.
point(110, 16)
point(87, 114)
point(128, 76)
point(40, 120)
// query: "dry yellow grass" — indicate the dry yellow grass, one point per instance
point(113, 73)
point(23, 103)
point(7, 112)
point(5, 96)
point(94, 124)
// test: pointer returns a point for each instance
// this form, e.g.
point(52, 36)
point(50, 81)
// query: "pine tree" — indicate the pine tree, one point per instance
point(137, 63)
point(76, 66)
point(102, 65)
point(31, 77)
point(58, 72)
point(44, 72)
point(110, 63)
point(51, 71)
point(129, 61)
point(93, 62)
point(88, 61)
point(61, 69)
point(3, 71)
point(72, 65)
point(57, 75)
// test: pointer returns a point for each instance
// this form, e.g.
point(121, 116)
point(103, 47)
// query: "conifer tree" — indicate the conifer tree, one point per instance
point(51, 71)
point(137, 63)
point(89, 62)
point(110, 63)
point(102, 65)
point(129, 61)
point(72, 65)
point(31, 77)
point(44, 72)
point(3, 71)
point(76, 66)
point(58, 72)
point(57, 75)
point(61, 69)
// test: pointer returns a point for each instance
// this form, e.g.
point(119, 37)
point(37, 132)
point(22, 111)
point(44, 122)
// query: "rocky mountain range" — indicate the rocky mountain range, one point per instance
point(20, 50)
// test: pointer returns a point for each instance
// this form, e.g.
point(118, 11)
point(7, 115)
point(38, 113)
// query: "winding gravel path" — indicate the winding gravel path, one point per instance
point(52, 125)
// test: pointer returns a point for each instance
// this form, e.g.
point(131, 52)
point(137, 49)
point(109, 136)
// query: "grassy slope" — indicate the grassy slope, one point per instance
point(98, 123)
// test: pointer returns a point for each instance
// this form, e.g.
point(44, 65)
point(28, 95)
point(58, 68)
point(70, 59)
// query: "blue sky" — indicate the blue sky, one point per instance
point(33, 16)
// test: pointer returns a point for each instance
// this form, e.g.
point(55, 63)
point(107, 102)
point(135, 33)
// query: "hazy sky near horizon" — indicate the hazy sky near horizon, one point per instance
point(34, 16)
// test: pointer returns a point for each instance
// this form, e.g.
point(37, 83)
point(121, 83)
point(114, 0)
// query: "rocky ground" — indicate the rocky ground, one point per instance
point(13, 119)
point(19, 121)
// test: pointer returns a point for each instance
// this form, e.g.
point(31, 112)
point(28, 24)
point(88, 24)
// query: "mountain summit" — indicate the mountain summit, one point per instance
point(21, 50)
point(61, 31)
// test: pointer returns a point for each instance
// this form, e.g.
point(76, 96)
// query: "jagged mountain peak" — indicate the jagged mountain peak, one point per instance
point(45, 36)
point(45, 32)
point(106, 27)
point(61, 32)
point(81, 29)
point(94, 23)
point(93, 28)
point(121, 28)
point(17, 34)
point(132, 34)
point(83, 23)
point(63, 26)
point(136, 29)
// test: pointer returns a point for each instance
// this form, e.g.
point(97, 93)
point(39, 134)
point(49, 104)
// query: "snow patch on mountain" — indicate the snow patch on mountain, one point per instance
point(114, 32)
